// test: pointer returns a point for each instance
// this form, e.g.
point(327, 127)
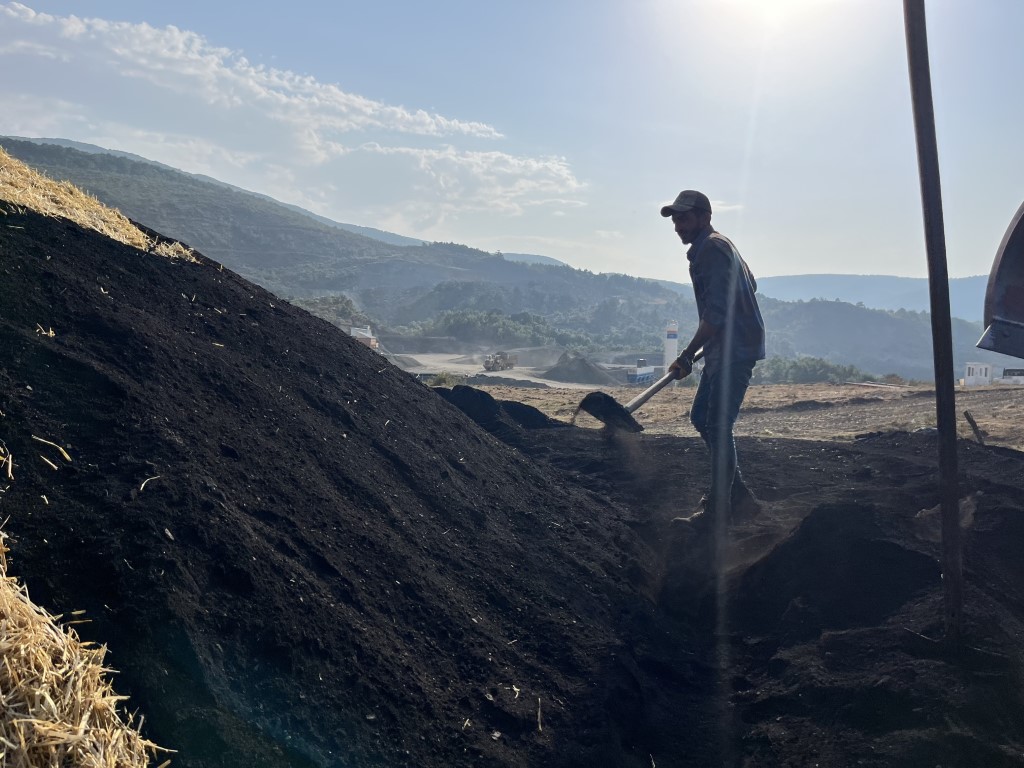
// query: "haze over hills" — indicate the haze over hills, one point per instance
point(533, 258)
point(966, 294)
point(300, 255)
point(874, 291)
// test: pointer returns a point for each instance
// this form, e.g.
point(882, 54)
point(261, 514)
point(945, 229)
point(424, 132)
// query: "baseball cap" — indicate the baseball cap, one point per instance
point(688, 200)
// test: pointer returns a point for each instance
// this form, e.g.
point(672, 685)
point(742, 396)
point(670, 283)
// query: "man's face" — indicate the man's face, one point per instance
point(688, 225)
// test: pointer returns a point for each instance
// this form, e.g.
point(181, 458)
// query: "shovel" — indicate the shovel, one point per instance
point(612, 414)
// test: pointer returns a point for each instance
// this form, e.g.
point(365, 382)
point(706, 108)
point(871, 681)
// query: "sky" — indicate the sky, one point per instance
point(554, 127)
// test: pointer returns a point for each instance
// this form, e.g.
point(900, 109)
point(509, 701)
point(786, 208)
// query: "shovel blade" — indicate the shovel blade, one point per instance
point(609, 412)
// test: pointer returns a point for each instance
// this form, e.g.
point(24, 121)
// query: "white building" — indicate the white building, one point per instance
point(363, 335)
point(642, 375)
point(977, 375)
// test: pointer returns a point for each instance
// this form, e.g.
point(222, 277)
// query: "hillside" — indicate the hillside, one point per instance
point(885, 292)
point(293, 254)
point(283, 248)
point(300, 556)
point(533, 258)
point(966, 294)
point(872, 340)
point(92, 149)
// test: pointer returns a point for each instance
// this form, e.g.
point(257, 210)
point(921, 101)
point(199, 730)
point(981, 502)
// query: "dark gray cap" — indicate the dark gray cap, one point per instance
point(688, 200)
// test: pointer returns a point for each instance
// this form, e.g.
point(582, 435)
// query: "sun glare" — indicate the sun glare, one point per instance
point(771, 15)
point(746, 22)
point(801, 43)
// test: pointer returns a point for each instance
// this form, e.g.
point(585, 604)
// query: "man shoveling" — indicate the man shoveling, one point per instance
point(731, 333)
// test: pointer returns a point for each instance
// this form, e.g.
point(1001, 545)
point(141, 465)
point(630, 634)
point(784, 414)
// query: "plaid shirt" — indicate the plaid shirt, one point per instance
point(724, 289)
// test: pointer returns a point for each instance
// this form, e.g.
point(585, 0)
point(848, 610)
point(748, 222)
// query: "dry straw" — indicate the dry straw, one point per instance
point(26, 188)
point(57, 708)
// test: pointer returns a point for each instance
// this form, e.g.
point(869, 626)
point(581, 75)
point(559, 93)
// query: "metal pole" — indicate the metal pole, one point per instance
point(938, 285)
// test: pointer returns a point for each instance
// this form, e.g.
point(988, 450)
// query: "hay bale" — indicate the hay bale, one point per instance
point(57, 707)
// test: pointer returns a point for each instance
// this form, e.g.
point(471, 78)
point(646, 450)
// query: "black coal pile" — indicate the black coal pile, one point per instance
point(573, 367)
point(299, 555)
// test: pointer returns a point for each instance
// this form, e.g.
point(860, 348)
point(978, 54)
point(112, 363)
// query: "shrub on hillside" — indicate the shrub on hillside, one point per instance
point(805, 370)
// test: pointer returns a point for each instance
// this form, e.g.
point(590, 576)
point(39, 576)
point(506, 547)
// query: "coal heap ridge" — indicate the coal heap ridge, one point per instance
point(300, 556)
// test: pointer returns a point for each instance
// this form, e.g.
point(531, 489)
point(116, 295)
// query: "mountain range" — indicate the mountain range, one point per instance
point(400, 282)
point(966, 294)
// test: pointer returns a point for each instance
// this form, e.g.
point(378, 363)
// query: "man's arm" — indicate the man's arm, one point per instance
point(717, 260)
point(702, 336)
point(683, 364)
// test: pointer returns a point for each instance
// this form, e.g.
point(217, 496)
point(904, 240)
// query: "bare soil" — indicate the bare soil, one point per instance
point(299, 555)
point(808, 411)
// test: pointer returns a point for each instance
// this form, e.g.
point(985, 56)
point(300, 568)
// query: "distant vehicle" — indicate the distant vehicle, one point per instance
point(500, 361)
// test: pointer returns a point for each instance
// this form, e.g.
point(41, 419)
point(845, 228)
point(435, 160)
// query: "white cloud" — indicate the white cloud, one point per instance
point(28, 48)
point(184, 62)
point(466, 181)
point(170, 95)
point(29, 115)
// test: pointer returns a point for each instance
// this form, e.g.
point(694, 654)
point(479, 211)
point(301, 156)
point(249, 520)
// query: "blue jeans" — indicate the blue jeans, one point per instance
point(715, 408)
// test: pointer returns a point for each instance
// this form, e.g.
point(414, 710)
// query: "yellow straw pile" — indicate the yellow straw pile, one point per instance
point(57, 708)
point(26, 188)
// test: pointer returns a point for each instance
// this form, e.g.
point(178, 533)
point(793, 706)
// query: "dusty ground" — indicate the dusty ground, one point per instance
point(808, 411)
point(301, 556)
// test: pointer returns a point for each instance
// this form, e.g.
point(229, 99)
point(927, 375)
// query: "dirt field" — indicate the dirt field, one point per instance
point(807, 411)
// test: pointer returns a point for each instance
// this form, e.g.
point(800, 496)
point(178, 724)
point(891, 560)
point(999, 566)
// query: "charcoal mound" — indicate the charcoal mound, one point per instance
point(484, 410)
point(575, 368)
point(529, 417)
point(505, 419)
point(835, 572)
point(299, 555)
